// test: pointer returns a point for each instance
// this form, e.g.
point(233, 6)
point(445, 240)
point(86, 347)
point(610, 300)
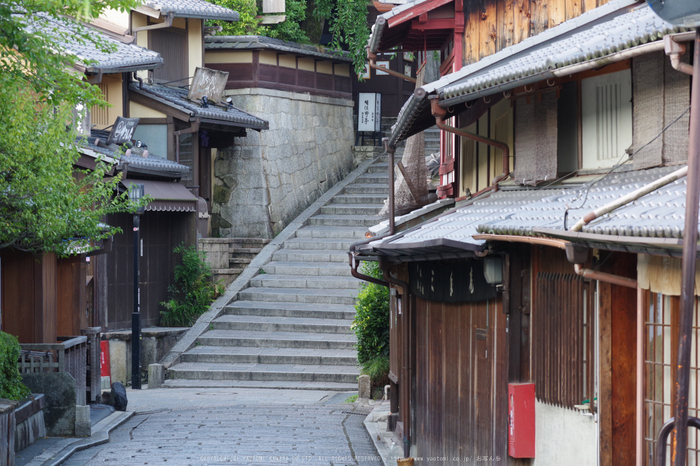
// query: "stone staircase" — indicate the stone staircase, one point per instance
point(291, 327)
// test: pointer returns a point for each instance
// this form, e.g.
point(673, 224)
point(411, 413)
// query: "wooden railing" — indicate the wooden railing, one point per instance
point(67, 356)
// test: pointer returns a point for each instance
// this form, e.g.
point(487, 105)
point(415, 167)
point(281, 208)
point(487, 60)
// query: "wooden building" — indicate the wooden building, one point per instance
point(586, 310)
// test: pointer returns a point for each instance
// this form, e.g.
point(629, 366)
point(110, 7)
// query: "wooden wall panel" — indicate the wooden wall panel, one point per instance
point(492, 25)
point(71, 305)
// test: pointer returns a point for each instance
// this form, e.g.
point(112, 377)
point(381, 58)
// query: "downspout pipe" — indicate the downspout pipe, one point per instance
point(391, 150)
point(633, 196)
point(674, 50)
point(372, 61)
point(439, 113)
point(679, 441)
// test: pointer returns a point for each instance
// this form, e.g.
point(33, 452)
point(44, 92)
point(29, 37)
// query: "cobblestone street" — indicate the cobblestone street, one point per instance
point(225, 426)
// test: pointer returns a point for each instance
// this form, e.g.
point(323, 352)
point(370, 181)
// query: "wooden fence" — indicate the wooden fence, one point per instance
point(74, 355)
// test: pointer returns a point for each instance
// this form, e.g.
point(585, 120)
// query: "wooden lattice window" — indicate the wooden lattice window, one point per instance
point(563, 340)
point(660, 357)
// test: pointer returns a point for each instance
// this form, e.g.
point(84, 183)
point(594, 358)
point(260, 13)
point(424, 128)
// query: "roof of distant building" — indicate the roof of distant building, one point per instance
point(652, 223)
point(116, 57)
point(216, 112)
point(133, 159)
point(197, 9)
point(261, 42)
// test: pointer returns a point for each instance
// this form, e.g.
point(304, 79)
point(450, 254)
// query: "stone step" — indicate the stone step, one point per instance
point(358, 199)
point(257, 243)
point(334, 269)
point(281, 324)
point(331, 244)
point(325, 341)
point(344, 220)
point(374, 178)
point(320, 231)
point(319, 311)
point(265, 372)
point(351, 209)
point(283, 385)
point(306, 255)
point(298, 295)
point(215, 354)
point(239, 261)
point(366, 188)
point(302, 281)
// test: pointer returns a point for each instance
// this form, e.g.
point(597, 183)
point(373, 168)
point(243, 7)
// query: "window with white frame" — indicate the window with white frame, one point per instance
point(606, 111)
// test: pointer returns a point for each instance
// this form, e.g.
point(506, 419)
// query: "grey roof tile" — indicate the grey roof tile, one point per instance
point(122, 58)
point(615, 26)
point(176, 98)
point(198, 9)
point(261, 42)
point(526, 212)
point(152, 164)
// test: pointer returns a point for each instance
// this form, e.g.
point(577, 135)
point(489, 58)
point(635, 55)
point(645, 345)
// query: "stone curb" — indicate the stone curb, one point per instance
point(187, 341)
point(68, 447)
point(375, 423)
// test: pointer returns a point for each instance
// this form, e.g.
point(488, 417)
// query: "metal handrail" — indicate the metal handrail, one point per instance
point(665, 430)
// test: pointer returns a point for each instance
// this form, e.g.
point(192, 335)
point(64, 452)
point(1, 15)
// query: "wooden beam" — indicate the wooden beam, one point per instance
point(416, 11)
point(433, 24)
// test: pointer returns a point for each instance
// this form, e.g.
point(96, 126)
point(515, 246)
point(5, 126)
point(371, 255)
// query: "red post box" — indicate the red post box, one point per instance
point(521, 420)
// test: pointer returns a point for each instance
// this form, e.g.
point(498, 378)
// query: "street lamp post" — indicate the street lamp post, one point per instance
point(135, 195)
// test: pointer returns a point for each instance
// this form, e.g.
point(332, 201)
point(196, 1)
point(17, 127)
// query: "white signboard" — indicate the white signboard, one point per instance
point(369, 112)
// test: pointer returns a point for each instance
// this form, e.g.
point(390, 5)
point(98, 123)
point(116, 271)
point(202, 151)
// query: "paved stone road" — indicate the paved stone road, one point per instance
point(241, 426)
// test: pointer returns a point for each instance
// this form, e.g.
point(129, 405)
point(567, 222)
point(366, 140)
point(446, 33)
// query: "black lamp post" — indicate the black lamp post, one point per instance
point(135, 195)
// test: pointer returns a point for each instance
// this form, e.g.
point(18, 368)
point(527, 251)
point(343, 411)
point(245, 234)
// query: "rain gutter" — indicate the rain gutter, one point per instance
point(168, 22)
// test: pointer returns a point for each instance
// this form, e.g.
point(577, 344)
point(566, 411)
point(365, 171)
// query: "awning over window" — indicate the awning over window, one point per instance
point(167, 196)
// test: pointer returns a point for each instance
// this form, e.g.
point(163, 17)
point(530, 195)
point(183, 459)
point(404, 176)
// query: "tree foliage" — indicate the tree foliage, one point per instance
point(347, 23)
point(46, 204)
point(11, 386)
point(193, 290)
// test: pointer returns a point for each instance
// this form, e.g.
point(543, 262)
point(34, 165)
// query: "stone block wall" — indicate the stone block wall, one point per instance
point(268, 178)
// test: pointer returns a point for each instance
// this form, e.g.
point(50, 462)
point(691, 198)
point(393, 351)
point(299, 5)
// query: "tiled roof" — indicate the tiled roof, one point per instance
point(655, 220)
point(136, 162)
point(198, 9)
point(123, 58)
point(631, 29)
point(260, 42)
point(613, 27)
point(176, 98)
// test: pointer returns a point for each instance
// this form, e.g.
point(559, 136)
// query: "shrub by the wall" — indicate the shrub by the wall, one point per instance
point(11, 386)
point(192, 292)
point(371, 325)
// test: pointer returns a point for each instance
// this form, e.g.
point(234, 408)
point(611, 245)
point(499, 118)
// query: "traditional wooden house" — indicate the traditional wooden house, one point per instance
point(59, 304)
point(559, 265)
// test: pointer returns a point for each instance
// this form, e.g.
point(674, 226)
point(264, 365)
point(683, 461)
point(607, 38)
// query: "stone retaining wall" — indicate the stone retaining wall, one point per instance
point(267, 178)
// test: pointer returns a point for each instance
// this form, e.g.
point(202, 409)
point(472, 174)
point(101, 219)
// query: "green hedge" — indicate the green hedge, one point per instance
point(371, 325)
point(192, 292)
point(11, 386)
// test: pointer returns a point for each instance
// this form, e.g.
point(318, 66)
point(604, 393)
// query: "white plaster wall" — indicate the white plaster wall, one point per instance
point(564, 436)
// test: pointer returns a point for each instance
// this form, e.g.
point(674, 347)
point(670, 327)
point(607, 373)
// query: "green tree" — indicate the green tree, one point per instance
point(44, 201)
point(347, 22)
